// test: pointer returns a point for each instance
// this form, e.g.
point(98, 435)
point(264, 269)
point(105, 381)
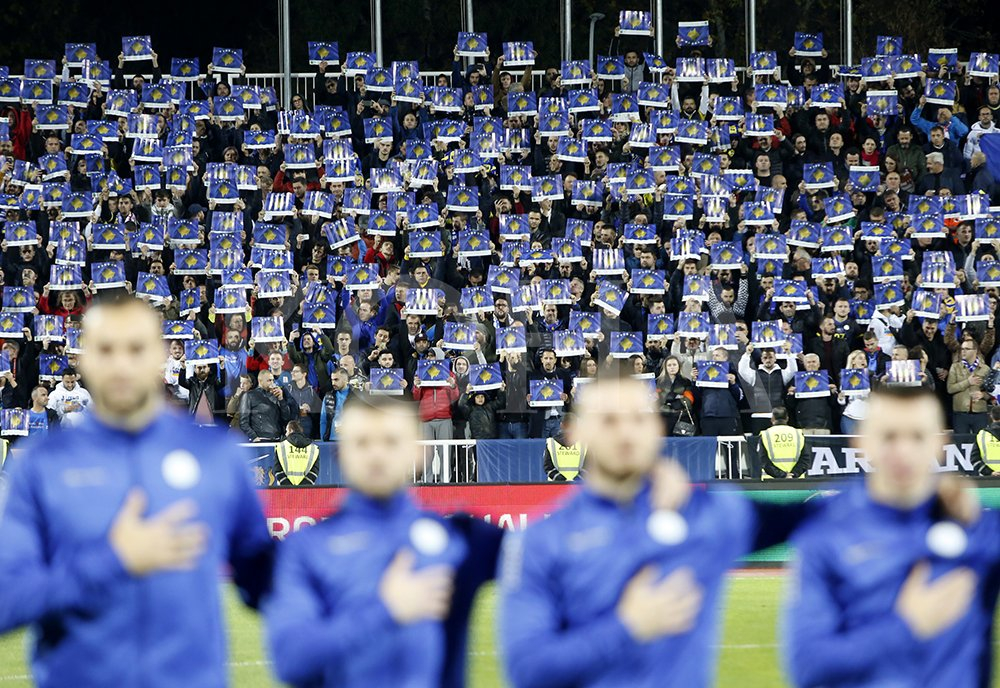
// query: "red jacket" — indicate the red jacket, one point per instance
point(435, 402)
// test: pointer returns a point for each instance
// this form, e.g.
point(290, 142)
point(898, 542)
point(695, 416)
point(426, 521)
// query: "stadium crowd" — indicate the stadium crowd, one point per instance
point(486, 244)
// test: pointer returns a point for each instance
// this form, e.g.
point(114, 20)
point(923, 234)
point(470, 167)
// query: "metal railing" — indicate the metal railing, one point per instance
point(446, 461)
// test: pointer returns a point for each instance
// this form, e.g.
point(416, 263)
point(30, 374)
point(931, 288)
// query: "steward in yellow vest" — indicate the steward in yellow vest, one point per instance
point(985, 454)
point(780, 448)
point(563, 461)
point(296, 459)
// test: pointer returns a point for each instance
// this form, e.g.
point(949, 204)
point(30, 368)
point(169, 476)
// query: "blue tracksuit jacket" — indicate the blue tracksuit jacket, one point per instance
point(840, 626)
point(326, 625)
point(94, 625)
point(562, 579)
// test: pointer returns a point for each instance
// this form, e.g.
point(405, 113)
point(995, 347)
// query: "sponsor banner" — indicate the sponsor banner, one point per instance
point(513, 507)
point(833, 455)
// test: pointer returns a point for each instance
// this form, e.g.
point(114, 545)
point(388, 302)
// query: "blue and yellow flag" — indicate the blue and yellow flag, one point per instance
point(711, 374)
point(201, 351)
point(433, 373)
point(811, 384)
point(660, 325)
point(484, 377)
point(512, 340)
point(460, 336)
point(693, 325)
point(854, 381)
point(388, 381)
point(808, 44)
point(267, 328)
point(767, 334)
point(14, 421)
point(545, 393)
point(231, 300)
point(109, 275)
point(692, 33)
point(18, 299)
point(475, 300)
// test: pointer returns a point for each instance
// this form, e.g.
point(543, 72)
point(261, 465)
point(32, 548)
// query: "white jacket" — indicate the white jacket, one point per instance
point(975, 133)
point(62, 399)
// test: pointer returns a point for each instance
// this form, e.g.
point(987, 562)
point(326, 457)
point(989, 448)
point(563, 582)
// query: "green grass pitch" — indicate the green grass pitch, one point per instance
point(748, 657)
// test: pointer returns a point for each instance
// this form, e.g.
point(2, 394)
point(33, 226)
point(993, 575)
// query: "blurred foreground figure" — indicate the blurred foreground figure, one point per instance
point(887, 591)
point(113, 533)
point(380, 593)
point(615, 589)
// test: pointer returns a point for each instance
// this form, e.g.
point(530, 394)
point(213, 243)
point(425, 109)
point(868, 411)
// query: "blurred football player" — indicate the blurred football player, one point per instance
point(615, 589)
point(114, 533)
point(379, 594)
point(888, 591)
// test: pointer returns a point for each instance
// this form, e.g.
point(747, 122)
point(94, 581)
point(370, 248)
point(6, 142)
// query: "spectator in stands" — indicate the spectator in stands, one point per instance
point(814, 415)
point(876, 359)
point(69, 399)
point(855, 405)
point(8, 386)
point(172, 369)
point(546, 421)
point(303, 398)
point(233, 405)
point(41, 419)
point(480, 411)
point(965, 379)
point(435, 408)
point(675, 395)
point(311, 354)
point(264, 410)
point(764, 384)
point(909, 158)
point(512, 419)
point(939, 178)
point(206, 400)
point(719, 414)
point(984, 125)
point(832, 350)
point(276, 366)
point(333, 405)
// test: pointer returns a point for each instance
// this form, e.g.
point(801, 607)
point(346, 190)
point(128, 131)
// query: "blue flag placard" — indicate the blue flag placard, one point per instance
point(854, 381)
point(812, 384)
point(545, 393)
point(713, 374)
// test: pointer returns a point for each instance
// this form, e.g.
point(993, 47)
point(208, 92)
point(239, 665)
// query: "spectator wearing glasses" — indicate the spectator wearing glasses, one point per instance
point(965, 379)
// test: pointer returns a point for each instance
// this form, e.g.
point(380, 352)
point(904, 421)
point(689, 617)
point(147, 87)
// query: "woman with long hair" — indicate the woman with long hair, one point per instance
point(675, 393)
point(855, 405)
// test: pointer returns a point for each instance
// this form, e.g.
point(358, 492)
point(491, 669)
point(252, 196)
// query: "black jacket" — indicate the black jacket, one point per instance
point(263, 416)
point(211, 387)
point(482, 420)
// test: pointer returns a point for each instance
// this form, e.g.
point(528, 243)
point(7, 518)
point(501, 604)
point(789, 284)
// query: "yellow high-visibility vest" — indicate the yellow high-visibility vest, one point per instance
point(989, 449)
point(296, 462)
point(567, 460)
point(783, 444)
